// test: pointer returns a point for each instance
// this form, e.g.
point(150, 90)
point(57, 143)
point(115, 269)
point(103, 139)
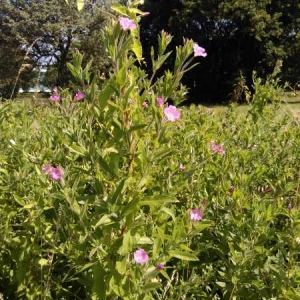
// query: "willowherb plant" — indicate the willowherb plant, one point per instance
point(266, 92)
point(94, 202)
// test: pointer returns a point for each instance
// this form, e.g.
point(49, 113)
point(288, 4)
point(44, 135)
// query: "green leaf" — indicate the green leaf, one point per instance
point(169, 212)
point(150, 287)
point(114, 163)
point(292, 295)
point(86, 267)
point(137, 49)
point(75, 207)
point(160, 154)
point(103, 164)
point(183, 255)
point(221, 284)
point(4, 171)
point(121, 266)
point(73, 70)
point(80, 4)
point(105, 220)
point(76, 149)
point(152, 272)
point(119, 9)
point(144, 240)
point(137, 127)
point(118, 191)
point(19, 200)
point(152, 55)
point(104, 95)
point(129, 241)
point(43, 262)
point(99, 288)
point(130, 207)
point(157, 200)
point(135, 10)
point(121, 76)
point(29, 205)
point(199, 226)
point(157, 247)
point(185, 248)
point(160, 61)
point(23, 267)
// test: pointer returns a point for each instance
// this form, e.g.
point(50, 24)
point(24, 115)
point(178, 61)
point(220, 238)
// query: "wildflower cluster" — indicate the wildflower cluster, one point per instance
point(55, 97)
point(217, 148)
point(126, 23)
point(195, 215)
point(172, 113)
point(55, 173)
point(140, 256)
point(199, 51)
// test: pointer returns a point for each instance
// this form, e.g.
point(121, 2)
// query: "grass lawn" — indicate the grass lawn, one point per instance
point(290, 106)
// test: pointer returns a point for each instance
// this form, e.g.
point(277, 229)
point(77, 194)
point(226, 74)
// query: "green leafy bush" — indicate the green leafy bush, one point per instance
point(266, 92)
point(114, 193)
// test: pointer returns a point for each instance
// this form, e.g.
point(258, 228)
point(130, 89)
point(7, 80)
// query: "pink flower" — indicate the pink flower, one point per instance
point(55, 98)
point(126, 23)
point(140, 256)
point(55, 90)
point(160, 266)
point(199, 51)
point(217, 148)
point(47, 169)
point(181, 167)
point(131, 101)
point(146, 13)
point(145, 104)
point(56, 174)
point(160, 101)
point(172, 113)
point(78, 96)
point(195, 215)
point(290, 206)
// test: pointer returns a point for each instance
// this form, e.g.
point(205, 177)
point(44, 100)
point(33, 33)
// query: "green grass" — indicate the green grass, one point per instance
point(290, 105)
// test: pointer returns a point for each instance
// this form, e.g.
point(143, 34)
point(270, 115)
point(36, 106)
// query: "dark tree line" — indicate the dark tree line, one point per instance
point(240, 36)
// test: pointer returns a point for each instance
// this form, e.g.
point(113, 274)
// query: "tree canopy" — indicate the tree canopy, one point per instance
point(240, 36)
point(47, 31)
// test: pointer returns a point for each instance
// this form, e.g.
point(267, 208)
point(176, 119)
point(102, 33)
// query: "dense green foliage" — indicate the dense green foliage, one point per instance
point(240, 37)
point(127, 178)
point(60, 238)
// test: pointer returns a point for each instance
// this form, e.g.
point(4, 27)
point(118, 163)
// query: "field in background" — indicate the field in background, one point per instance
point(290, 103)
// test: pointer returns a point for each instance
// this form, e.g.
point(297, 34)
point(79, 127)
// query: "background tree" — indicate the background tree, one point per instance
point(240, 36)
point(52, 28)
point(11, 59)
point(290, 19)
